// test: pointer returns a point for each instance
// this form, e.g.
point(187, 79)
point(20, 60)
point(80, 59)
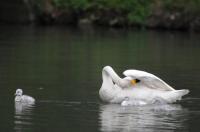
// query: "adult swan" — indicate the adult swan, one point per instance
point(138, 87)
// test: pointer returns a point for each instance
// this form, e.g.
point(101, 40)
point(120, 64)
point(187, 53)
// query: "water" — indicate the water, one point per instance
point(61, 68)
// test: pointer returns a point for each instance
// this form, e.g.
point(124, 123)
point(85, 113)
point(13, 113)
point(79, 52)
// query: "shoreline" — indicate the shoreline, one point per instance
point(156, 15)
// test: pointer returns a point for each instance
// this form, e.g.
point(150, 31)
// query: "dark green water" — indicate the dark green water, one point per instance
point(61, 68)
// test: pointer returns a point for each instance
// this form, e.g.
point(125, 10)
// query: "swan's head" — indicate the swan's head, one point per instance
point(19, 92)
point(129, 82)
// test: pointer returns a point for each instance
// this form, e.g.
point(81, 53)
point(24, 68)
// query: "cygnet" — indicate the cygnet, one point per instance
point(19, 97)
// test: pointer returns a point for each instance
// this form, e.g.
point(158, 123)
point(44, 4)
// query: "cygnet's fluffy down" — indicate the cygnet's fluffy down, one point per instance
point(19, 97)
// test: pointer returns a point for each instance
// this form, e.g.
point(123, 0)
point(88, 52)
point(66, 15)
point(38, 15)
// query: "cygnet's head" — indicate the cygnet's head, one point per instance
point(19, 92)
point(129, 82)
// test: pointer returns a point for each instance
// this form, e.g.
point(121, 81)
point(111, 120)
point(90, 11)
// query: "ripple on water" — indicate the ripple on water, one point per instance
point(61, 115)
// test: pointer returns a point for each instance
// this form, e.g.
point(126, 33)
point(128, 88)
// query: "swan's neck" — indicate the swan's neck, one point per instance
point(109, 76)
point(108, 89)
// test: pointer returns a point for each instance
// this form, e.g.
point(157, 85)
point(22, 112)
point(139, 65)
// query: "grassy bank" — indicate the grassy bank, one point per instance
point(168, 14)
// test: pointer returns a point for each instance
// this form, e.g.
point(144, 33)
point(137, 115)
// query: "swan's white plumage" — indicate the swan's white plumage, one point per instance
point(149, 90)
point(23, 98)
point(148, 79)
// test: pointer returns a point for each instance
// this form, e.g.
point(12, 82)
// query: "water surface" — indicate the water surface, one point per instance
point(61, 68)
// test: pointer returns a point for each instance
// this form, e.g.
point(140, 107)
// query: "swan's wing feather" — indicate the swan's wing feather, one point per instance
point(148, 79)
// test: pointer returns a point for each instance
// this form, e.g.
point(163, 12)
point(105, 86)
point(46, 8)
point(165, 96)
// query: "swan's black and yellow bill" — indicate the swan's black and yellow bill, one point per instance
point(134, 81)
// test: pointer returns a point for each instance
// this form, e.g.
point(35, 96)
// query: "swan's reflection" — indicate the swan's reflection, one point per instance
point(152, 118)
point(23, 116)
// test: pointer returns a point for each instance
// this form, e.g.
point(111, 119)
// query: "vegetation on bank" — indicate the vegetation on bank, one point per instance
point(172, 14)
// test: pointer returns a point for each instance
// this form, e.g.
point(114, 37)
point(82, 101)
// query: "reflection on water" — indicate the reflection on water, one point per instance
point(23, 116)
point(147, 118)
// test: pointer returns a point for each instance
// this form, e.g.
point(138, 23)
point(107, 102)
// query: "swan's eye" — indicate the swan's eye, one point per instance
point(134, 81)
point(137, 80)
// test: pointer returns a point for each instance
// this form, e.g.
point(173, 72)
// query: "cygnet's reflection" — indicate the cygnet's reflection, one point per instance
point(149, 118)
point(23, 116)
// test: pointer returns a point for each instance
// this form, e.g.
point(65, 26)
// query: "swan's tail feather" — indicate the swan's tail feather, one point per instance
point(175, 95)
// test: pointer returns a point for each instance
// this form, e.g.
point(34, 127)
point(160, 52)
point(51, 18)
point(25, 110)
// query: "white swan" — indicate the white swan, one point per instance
point(138, 86)
point(19, 97)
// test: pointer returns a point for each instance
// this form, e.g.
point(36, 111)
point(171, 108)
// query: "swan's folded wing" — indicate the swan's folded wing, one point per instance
point(148, 79)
